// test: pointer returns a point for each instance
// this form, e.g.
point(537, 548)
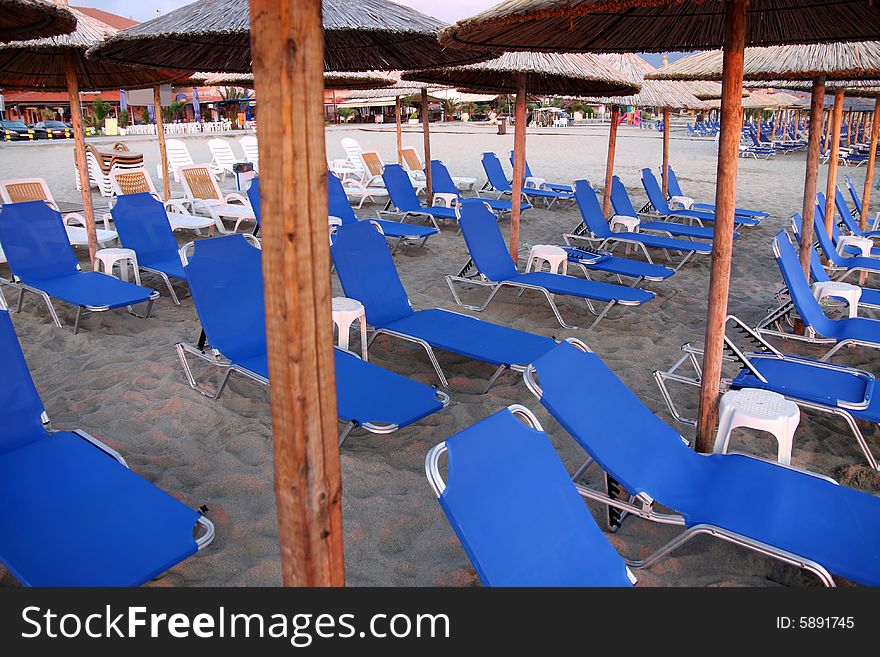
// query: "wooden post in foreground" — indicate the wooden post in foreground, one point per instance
point(609, 161)
point(287, 46)
point(519, 165)
point(665, 175)
point(399, 130)
point(725, 207)
point(429, 188)
point(831, 183)
point(808, 209)
point(160, 133)
point(79, 151)
point(869, 174)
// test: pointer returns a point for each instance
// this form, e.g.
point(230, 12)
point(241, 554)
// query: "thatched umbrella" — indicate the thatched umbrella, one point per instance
point(653, 93)
point(33, 19)
point(568, 75)
point(58, 64)
point(665, 25)
point(214, 35)
point(332, 80)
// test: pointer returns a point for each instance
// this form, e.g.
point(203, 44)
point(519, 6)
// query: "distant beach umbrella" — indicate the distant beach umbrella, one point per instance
point(59, 63)
point(667, 25)
point(33, 19)
point(214, 35)
point(542, 73)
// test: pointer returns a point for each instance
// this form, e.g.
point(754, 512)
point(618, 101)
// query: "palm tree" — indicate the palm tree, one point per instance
point(450, 107)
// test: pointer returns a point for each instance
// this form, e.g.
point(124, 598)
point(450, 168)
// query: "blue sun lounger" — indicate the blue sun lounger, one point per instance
point(797, 517)
point(406, 202)
point(554, 187)
point(73, 514)
point(623, 207)
point(675, 190)
point(594, 229)
point(821, 329)
point(857, 202)
point(517, 514)
point(850, 219)
point(442, 183)
point(845, 265)
point(497, 182)
point(228, 268)
point(658, 203)
point(339, 206)
point(367, 273)
point(43, 262)
point(142, 225)
point(850, 249)
point(495, 269)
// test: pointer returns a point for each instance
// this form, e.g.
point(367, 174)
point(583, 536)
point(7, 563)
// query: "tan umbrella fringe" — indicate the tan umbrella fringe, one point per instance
point(760, 101)
point(655, 25)
point(332, 80)
point(214, 35)
point(857, 88)
point(27, 19)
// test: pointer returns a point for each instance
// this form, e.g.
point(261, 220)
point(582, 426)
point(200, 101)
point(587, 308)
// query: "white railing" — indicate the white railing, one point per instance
point(179, 128)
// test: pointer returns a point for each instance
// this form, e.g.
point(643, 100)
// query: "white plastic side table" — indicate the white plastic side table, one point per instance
point(863, 244)
point(627, 224)
point(105, 259)
point(839, 290)
point(684, 202)
point(758, 409)
point(345, 312)
point(553, 255)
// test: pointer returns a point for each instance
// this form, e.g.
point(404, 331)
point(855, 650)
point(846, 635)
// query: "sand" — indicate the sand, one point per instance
point(119, 378)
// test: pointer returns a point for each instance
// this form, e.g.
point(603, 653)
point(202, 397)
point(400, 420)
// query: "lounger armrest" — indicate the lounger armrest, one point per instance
point(176, 205)
point(76, 218)
point(234, 197)
point(355, 184)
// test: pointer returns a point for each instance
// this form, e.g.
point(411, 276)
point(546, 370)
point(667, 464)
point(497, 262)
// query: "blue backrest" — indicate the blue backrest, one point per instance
point(841, 205)
point(35, 243)
point(854, 195)
point(226, 280)
point(798, 287)
point(822, 235)
point(337, 201)
point(624, 436)
point(253, 194)
point(655, 194)
point(518, 516)
point(142, 224)
point(495, 172)
point(672, 183)
point(367, 273)
point(400, 188)
point(817, 271)
point(441, 181)
point(591, 211)
point(484, 241)
point(20, 405)
point(528, 170)
point(620, 199)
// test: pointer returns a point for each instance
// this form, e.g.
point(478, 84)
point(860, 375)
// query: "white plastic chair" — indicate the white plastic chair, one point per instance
point(223, 157)
point(351, 167)
point(251, 152)
point(412, 163)
point(178, 156)
point(35, 189)
point(203, 194)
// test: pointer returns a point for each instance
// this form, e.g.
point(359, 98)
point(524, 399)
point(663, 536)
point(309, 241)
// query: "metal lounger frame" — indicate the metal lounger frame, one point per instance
point(602, 243)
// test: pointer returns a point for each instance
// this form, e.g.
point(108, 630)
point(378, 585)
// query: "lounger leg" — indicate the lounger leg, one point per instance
point(840, 345)
point(79, 312)
point(51, 308)
point(345, 432)
point(601, 316)
point(170, 290)
point(561, 321)
point(498, 372)
point(581, 470)
point(396, 244)
point(20, 299)
point(182, 350)
point(146, 313)
point(684, 260)
point(443, 382)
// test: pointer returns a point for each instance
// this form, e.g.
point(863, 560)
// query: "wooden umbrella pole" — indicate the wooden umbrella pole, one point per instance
point(725, 207)
point(665, 175)
point(399, 130)
point(160, 132)
point(296, 262)
point(849, 127)
point(519, 165)
point(429, 189)
point(609, 161)
point(869, 174)
point(808, 209)
point(831, 183)
point(776, 118)
point(828, 122)
point(79, 151)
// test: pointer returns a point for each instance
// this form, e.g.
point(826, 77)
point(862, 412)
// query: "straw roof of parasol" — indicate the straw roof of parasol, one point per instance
point(400, 88)
point(332, 80)
point(860, 88)
point(838, 61)
point(657, 25)
point(214, 35)
point(33, 19)
point(653, 93)
point(40, 64)
point(705, 90)
point(575, 74)
point(762, 100)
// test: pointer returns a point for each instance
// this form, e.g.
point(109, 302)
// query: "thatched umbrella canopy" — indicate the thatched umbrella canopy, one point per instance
point(857, 88)
point(569, 75)
point(656, 25)
point(332, 80)
point(33, 19)
point(759, 100)
point(214, 35)
point(706, 90)
point(59, 63)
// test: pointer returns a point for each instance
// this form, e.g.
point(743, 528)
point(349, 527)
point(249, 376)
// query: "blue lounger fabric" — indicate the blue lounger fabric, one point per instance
point(827, 246)
point(837, 527)
point(498, 180)
point(404, 197)
point(675, 190)
point(71, 514)
point(517, 514)
point(656, 198)
point(442, 183)
point(39, 253)
point(555, 187)
point(613, 264)
point(142, 225)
